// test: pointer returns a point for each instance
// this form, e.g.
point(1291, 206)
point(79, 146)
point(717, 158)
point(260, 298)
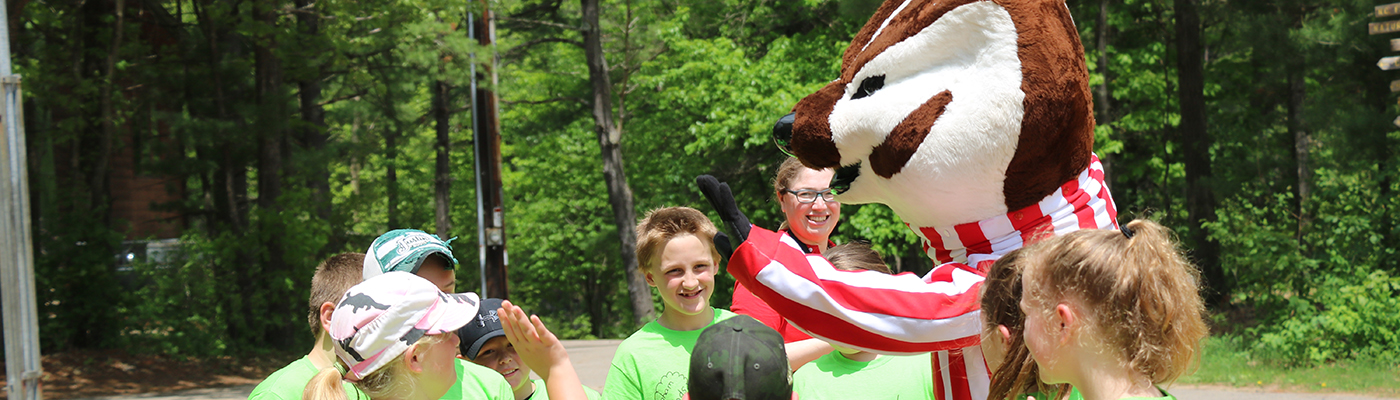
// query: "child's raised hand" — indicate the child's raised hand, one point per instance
point(536, 345)
point(542, 352)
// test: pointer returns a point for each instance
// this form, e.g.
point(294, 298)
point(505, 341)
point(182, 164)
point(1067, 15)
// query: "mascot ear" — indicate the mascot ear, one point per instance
point(723, 201)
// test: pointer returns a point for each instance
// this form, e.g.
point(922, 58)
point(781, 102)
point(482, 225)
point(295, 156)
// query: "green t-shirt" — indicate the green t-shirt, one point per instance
point(654, 363)
point(1073, 395)
point(541, 393)
point(475, 382)
point(290, 382)
point(835, 377)
point(1165, 396)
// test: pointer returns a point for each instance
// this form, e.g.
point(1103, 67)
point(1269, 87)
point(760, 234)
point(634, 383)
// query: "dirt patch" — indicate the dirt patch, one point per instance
point(94, 373)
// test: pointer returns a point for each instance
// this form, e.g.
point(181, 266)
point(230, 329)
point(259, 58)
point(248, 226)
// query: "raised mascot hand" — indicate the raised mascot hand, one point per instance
point(723, 201)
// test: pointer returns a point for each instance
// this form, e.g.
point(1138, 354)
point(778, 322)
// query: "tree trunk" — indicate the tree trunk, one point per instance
point(1297, 128)
point(272, 132)
point(355, 158)
point(610, 141)
point(313, 131)
point(391, 176)
point(391, 171)
point(442, 181)
point(393, 130)
point(1103, 98)
point(230, 184)
point(1200, 200)
point(98, 179)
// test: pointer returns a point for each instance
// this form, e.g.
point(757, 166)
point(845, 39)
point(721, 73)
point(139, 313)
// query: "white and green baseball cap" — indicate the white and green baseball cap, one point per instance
point(404, 250)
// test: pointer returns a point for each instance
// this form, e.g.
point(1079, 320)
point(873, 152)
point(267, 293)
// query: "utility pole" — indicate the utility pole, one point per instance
point(486, 135)
point(21, 321)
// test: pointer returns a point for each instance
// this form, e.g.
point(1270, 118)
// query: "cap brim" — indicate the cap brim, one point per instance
point(475, 348)
point(452, 311)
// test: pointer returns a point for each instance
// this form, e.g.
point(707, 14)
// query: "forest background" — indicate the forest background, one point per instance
point(287, 131)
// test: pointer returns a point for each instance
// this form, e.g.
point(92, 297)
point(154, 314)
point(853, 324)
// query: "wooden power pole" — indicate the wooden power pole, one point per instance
point(486, 135)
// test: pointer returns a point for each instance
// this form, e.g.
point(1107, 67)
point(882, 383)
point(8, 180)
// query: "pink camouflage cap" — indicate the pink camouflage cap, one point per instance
point(378, 319)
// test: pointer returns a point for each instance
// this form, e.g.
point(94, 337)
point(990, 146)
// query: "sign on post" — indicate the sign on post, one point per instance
point(1376, 28)
point(1396, 121)
point(1394, 44)
point(1387, 10)
point(1389, 63)
point(1394, 86)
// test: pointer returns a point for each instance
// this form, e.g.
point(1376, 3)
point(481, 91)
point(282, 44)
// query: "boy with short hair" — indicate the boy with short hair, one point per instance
point(676, 252)
point(484, 342)
point(430, 257)
point(333, 277)
point(740, 358)
point(847, 373)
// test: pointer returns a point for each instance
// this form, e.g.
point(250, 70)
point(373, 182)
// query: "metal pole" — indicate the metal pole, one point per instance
point(22, 367)
point(476, 163)
point(488, 153)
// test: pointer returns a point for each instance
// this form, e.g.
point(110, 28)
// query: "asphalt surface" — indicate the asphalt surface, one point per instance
point(591, 359)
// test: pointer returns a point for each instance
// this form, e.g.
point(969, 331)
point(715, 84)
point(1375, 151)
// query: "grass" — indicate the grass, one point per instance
point(1226, 361)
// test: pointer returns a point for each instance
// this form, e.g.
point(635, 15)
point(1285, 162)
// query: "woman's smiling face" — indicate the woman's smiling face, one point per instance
point(813, 222)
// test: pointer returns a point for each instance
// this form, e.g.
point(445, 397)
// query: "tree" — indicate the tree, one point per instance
point(610, 143)
point(1200, 199)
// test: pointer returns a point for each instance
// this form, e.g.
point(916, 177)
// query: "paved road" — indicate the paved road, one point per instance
point(591, 359)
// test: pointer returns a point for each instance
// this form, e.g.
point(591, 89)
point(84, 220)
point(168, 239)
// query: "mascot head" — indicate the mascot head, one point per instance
point(952, 111)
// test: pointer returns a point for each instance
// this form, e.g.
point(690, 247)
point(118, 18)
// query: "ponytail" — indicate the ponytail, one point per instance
point(1141, 294)
point(325, 386)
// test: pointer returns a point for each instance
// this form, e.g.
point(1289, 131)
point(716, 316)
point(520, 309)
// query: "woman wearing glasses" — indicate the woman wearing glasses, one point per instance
point(811, 213)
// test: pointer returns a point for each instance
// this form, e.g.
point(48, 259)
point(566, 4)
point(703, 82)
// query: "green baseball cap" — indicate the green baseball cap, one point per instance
point(404, 250)
point(739, 358)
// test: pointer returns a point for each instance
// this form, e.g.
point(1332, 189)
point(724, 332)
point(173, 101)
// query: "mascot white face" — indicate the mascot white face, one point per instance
point(952, 112)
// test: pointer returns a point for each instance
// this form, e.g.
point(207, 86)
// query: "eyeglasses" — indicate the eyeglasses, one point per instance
point(808, 196)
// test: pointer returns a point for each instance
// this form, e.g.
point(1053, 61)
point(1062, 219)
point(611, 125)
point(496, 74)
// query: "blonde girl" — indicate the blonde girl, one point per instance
point(1116, 314)
point(394, 337)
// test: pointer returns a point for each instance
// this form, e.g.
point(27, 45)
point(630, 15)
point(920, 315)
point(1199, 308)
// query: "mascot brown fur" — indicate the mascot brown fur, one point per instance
point(972, 120)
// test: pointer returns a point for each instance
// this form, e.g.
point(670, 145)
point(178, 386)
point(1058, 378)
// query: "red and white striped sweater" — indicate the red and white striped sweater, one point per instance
point(907, 314)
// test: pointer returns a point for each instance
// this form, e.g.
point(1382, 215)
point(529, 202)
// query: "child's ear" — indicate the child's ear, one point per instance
point(414, 359)
point(1005, 334)
point(1067, 320)
point(327, 308)
point(650, 281)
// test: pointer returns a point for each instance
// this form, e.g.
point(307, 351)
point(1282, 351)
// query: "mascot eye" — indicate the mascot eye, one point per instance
point(868, 86)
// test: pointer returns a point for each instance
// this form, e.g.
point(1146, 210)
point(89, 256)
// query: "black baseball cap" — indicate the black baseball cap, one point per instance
point(739, 358)
point(485, 326)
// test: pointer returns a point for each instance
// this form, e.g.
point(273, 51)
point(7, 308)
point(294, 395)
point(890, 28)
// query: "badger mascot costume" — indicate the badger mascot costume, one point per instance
point(973, 121)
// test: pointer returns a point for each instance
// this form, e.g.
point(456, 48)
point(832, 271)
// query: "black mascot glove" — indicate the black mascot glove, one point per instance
point(723, 201)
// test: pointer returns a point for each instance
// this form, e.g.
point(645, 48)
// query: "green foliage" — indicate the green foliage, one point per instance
point(74, 275)
point(1344, 318)
point(1321, 298)
point(197, 303)
point(697, 86)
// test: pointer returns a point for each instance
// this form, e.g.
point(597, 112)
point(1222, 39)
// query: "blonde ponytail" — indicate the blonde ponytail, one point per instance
point(325, 386)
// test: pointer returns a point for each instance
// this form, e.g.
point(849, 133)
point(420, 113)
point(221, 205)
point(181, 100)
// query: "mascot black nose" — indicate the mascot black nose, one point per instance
point(841, 181)
point(782, 133)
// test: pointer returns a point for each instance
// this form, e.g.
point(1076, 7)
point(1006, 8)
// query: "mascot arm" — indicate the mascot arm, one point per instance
point(890, 314)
